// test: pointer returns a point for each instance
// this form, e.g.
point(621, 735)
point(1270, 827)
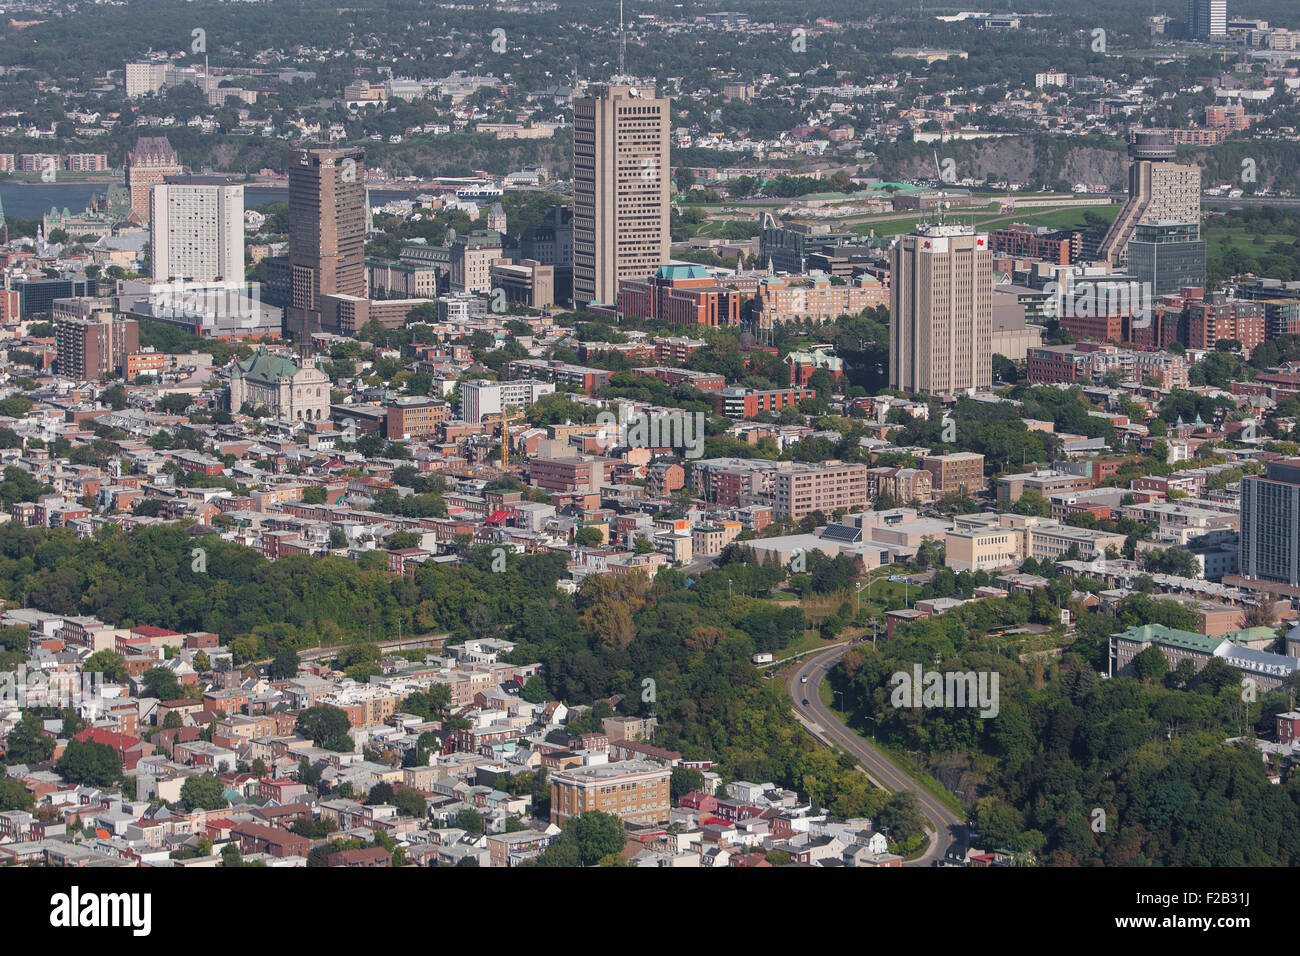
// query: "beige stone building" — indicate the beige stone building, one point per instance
point(472, 256)
point(710, 539)
point(941, 311)
point(620, 189)
point(291, 390)
point(986, 542)
point(816, 299)
point(635, 790)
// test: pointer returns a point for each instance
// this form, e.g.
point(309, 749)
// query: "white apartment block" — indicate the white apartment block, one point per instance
point(197, 231)
point(482, 398)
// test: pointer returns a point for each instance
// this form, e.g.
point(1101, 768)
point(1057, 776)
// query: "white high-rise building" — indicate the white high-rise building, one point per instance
point(196, 230)
point(1207, 18)
point(482, 398)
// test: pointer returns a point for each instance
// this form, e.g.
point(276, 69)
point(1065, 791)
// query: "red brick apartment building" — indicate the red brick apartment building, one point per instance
point(1055, 364)
point(746, 403)
point(680, 295)
point(676, 350)
point(1023, 241)
point(959, 473)
point(570, 474)
point(705, 381)
point(415, 418)
point(258, 838)
point(1102, 328)
point(825, 488)
point(1217, 317)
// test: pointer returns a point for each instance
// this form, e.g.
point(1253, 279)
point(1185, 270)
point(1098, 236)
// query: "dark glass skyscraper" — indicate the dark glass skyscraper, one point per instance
point(1270, 524)
point(327, 232)
point(1168, 255)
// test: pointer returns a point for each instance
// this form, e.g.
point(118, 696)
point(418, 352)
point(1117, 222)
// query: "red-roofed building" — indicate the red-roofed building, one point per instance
point(257, 838)
point(699, 802)
point(159, 636)
point(130, 749)
point(219, 829)
point(369, 857)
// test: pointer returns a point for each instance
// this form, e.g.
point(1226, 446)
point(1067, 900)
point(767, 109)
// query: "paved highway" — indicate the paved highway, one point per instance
point(818, 718)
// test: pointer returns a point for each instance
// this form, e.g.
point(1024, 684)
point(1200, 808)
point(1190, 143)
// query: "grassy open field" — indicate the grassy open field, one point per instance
point(1219, 239)
point(1052, 217)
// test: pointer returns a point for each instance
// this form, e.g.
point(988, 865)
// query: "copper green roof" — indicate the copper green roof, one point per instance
point(266, 368)
point(1172, 637)
point(683, 272)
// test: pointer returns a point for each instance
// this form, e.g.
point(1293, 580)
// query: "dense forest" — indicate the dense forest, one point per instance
point(1080, 770)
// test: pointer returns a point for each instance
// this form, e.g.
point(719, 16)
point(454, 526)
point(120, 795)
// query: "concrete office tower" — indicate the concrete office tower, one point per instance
point(1207, 18)
point(327, 232)
point(149, 163)
point(1270, 525)
point(1159, 190)
point(620, 189)
point(941, 311)
point(196, 229)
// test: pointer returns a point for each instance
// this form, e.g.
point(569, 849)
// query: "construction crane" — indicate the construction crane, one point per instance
point(508, 414)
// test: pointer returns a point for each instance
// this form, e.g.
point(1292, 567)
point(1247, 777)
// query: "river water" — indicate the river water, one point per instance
point(30, 200)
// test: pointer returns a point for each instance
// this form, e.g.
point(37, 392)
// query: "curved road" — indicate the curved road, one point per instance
point(824, 725)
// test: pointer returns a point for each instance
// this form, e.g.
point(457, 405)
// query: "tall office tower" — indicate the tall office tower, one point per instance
point(1168, 256)
point(1207, 18)
point(941, 310)
point(620, 189)
point(1159, 189)
point(327, 225)
point(1270, 524)
point(149, 163)
point(196, 229)
point(94, 347)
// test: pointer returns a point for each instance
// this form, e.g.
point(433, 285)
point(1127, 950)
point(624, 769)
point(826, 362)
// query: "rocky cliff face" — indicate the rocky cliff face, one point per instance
point(1024, 159)
point(1031, 158)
